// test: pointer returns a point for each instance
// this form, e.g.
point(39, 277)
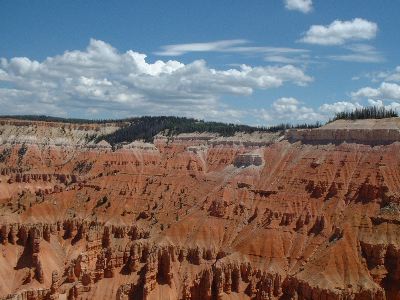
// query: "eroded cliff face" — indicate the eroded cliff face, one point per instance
point(199, 218)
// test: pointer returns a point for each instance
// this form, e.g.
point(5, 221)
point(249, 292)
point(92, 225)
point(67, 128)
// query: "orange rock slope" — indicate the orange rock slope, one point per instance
point(197, 217)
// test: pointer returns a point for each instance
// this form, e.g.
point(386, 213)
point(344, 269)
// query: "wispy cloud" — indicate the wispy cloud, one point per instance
point(237, 46)
point(360, 53)
point(339, 32)
point(386, 75)
point(302, 59)
point(215, 46)
point(393, 75)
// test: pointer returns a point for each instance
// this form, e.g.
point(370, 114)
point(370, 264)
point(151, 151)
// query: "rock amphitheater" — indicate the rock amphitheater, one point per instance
point(305, 214)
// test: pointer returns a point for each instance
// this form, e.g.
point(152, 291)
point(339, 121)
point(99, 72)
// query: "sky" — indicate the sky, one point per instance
point(257, 62)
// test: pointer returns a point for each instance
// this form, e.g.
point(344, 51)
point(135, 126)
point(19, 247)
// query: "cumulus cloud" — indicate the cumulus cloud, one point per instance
point(289, 109)
point(336, 107)
point(100, 79)
point(284, 105)
point(386, 90)
point(294, 110)
point(304, 6)
point(330, 109)
point(339, 32)
point(380, 103)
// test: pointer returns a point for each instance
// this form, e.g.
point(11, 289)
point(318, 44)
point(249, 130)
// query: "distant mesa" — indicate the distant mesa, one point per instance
point(363, 131)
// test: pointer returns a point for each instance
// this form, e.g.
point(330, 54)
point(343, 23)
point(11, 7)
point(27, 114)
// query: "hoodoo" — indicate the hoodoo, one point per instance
point(296, 214)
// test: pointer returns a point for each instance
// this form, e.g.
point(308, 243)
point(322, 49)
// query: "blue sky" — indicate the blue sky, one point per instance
point(254, 62)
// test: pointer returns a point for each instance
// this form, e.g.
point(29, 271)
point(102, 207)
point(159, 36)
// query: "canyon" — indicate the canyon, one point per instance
point(295, 214)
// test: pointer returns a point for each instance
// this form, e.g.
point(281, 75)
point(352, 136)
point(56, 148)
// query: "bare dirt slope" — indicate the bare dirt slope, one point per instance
point(192, 217)
point(366, 124)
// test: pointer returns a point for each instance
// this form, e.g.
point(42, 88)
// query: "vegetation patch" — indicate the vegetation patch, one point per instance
point(102, 201)
point(5, 155)
point(370, 112)
point(83, 167)
point(22, 152)
point(146, 128)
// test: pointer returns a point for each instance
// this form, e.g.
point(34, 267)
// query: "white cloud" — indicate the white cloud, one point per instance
point(289, 58)
point(289, 109)
point(286, 105)
point(366, 92)
point(372, 102)
point(330, 109)
point(304, 6)
point(100, 79)
point(388, 76)
point(392, 105)
point(216, 46)
point(340, 32)
point(390, 91)
point(281, 54)
point(360, 53)
point(280, 59)
point(394, 76)
point(336, 107)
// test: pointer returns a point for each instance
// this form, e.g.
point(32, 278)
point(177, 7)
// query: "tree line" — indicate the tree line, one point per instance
point(146, 128)
point(369, 112)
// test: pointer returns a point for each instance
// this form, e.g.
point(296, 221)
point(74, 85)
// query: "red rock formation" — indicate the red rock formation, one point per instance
point(200, 218)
